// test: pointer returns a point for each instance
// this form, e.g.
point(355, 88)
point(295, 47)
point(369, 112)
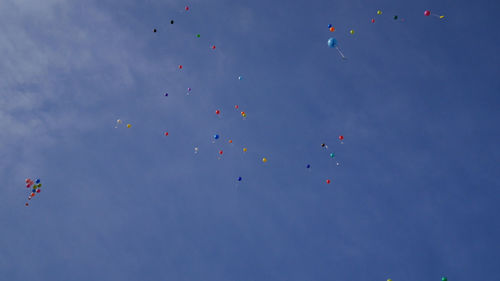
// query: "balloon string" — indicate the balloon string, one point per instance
point(340, 52)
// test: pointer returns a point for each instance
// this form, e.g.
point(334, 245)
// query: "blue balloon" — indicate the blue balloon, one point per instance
point(308, 166)
point(330, 25)
point(34, 190)
point(166, 94)
point(216, 136)
point(240, 77)
point(332, 155)
point(239, 178)
point(37, 181)
point(332, 42)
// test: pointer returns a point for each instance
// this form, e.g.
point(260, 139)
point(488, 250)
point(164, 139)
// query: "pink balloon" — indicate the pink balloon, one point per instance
point(427, 13)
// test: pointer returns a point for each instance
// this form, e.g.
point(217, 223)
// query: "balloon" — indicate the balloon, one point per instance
point(172, 22)
point(28, 185)
point(389, 279)
point(220, 152)
point(166, 133)
point(351, 31)
point(180, 66)
point(38, 190)
point(119, 121)
point(373, 20)
point(189, 89)
point(37, 180)
point(195, 149)
point(323, 145)
point(186, 8)
point(230, 141)
point(239, 178)
point(154, 30)
point(166, 94)
point(427, 13)
point(27, 180)
point(33, 190)
point(341, 137)
point(216, 136)
point(395, 17)
point(240, 77)
point(129, 125)
point(236, 106)
point(444, 279)
point(244, 115)
point(329, 25)
point(332, 42)
point(332, 155)
point(32, 194)
point(379, 12)
point(39, 185)
point(328, 181)
point(245, 149)
point(332, 29)
point(308, 166)
point(264, 159)
point(217, 112)
point(26, 204)
point(198, 35)
point(213, 47)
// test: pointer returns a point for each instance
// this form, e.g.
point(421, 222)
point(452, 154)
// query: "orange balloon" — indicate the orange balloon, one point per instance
point(332, 29)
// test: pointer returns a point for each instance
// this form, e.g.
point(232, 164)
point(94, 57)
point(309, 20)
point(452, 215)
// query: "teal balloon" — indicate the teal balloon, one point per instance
point(332, 42)
point(332, 154)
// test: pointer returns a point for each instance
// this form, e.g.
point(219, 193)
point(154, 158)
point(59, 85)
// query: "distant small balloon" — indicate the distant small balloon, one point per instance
point(180, 66)
point(213, 47)
point(216, 136)
point(166, 94)
point(172, 22)
point(332, 155)
point(264, 159)
point(220, 152)
point(240, 77)
point(239, 178)
point(166, 133)
point(332, 29)
point(154, 30)
point(186, 8)
point(26, 204)
point(37, 181)
point(328, 181)
point(427, 13)
point(236, 106)
point(395, 17)
point(329, 25)
point(38, 190)
point(332, 42)
point(245, 149)
point(444, 279)
point(198, 35)
point(189, 89)
point(351, 31)
point(308, 166)
point(373, 20)
point(379, 12)
point(217, 112)
point(341, 137)
point(129, 125)
point(230, 141)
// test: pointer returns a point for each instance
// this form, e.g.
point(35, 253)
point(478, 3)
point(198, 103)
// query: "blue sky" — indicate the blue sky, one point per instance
point(415, 196)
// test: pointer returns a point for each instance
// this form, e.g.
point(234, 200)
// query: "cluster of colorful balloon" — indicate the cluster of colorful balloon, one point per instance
point(35, 188)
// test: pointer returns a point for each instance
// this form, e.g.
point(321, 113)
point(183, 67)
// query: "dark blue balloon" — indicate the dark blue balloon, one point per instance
point(332, 42)
point(34, 190)
point(37, 181)
point(308, 166)
point(239, 178)
point(166, 94)
point(330, 25)
point(216, 136)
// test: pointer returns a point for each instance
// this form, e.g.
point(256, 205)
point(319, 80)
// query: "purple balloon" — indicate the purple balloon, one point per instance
point(189, 89)
point(166, 94)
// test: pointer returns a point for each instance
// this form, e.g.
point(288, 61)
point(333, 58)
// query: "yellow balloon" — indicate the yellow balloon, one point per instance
point(244, 115)
point(352, 31)
point(441, 17)
point(244, 149)
point(379, 12)
point(389, 279)
point(128, 125)
point(264, 159)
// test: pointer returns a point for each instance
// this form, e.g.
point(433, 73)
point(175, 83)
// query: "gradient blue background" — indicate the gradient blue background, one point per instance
point(415, 196)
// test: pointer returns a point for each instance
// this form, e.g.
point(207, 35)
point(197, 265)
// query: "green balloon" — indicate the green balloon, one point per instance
point(39, 185)
point(198, 35)
point(444, 279)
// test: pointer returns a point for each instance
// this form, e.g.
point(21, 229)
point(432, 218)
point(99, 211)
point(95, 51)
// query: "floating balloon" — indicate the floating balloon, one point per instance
point(166, 94)
point(379, 12)
point(230, 141)
point(341, 137)
point(118, 122)
point(329, 25)
point(389, 279)
point(239, 178)
point(34, 190)
point(172, 22)
point(216, 136)
point(198, 35)
point(186, 8)
point(213, 47)
point(220, 152)
point(328, 181)
point(373, 20)
point(332, 29)
point(180, 66)
point(243, 113)
point(38, 190)
point(245, 149)
point(308, 166)
point(236, 106)
point(195, 149)
point(332, 43)
point(444, 279)
point(264, 159)
point(166, 133)
point(428, 13)
point(351, 31)
point(240, 77)
point(129, 125)
point(332, 155)
point(154, 30)
point(324, 145)
point(395, 17)
point(217, 112)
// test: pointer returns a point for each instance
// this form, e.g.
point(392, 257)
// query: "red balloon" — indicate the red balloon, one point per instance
point(213, 47)
point(427, 13)
point(27, 181)
point(373, 20)
point(236, 106)
point(341, 137)
point(217, 112)
point(26, 204)
point(180, 66)
point(220, 152)
point(38, 190)
point(328, 181)
point(187, 8)
point(166, 133)
point(32, 194)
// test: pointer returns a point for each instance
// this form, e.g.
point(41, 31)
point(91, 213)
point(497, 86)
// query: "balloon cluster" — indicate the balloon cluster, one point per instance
point(35, 187)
